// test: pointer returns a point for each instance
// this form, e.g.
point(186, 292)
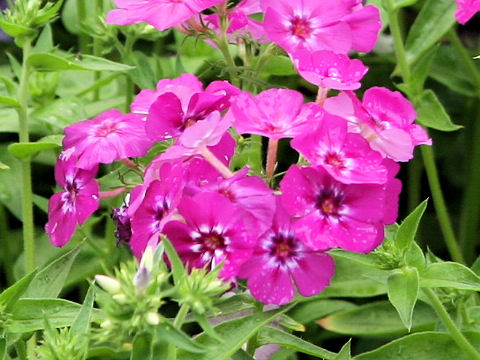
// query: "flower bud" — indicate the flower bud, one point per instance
point(152, 318)
point(109, 284)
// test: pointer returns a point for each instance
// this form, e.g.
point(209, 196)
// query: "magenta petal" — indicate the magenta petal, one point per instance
point(313, 273)
point(165, 118)
point(365, 25)
point(62, 220)
point(358, 236)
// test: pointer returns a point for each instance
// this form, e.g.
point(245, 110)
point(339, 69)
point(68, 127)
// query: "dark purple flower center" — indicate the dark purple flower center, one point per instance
point(283, 247)
point(329, 203)
point(300, 28)
point(212, 241)
point(123, 231)
point(72, 190)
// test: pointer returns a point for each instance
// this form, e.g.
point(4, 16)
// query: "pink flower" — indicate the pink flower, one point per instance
point(385, 118)
point(331, 214)
point(275, 113)
point(329, 70)
point(106, 138)
point(73, 206)
point(365, 24)
point(156, 209)
point(308, 24)
point(466, 9)
point(281, 260)
point(345, 156)
point(214, 231)
point(162, 14)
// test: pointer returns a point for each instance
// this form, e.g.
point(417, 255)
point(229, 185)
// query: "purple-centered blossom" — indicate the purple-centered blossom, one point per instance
point(108, 137)
point(329, 70)
point(466, 9)
point(73, 206)
point(162, 14)
point(345, 156)
point(215, 231)
point(281, 262)
point(331, 214)
point(385, 118)
point(274, 113)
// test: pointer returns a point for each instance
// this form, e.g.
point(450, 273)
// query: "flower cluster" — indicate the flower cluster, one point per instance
point(340, 194)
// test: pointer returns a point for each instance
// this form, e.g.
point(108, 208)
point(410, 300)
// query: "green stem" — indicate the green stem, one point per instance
point(83, 40)
point(27, 203)
point(415, 171)
point(7, 253)
point(222, 43)
point(178, 322)
point(97, 51)
point(457, 336)
point(471, 197)
point(271, 158)
point(440, 207)
point(427, 151)
point(400, 52)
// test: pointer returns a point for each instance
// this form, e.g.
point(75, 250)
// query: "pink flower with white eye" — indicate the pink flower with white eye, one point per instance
point(158, 204)
point(331, 214)
point(308, 24)
point(215, 231)
point(346, 156)
point(73, 206)
point(329, 70)
point(108, 137)
point(162, 14)
point(281, 262)
point(274, 113)
point(365, 24)
point(466, 9)
point(385, 118)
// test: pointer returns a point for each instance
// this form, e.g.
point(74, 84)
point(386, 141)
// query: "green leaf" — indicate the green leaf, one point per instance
point(422, 346)
point(310, 310)
point(9, 101)
point(178, 270)
point(345, 352)
point(52, 62)
point(291, 324)
point(142, 347)
point(11, 182)
point(242, 355)
point(143, 74)
point(9, 297)
point(9, 85)
point(269, 335)
point(433, 21)
point(450, 275)
point(403, 293)
point(81, 324)
point(170, 333)
point(49, 14)
point(234, 333)
point(248, 152)
point(62, 112)
point(25, 150)
point(3, 349)
point(29, 314)
point(4, 166)
point(50, 280)
point(408, 229)
point(15, 30)
point(414, 257)
point(279, 65)
point(207, 327)
point(432, 114)
point(45, 41)
point(15, 65)
point(378, 319)
point(421, 70)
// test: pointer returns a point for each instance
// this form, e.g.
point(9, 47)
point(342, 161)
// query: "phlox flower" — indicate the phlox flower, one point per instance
point(275, 113)
point(162, 14)
point(329, 70)
point(331, 214)
point(159, 201)
point(308, 24)
point(215, 231)
point(345, 156)
point(108, 137)
point(281, 262)
point(76, 203)
point(466, 9)
point(385, 118)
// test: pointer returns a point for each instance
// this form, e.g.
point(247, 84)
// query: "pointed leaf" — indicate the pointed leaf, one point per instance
point(316, 309)
point(45, 40)
point(9, 85)
point(50, 280)
point(4, 166)
point(378, 319)
point(81, 325)
point(269, 335)
point(432, 114)
point(345, 352)
point(9, 297)
point(408, 229)
point(142, 347)
point(450, 274)
point(242, 355)
point(181, 340)
point(52, 62)
point(25, 150)
point(403, 293)
point(422, 346)
point(207, 327)
point(234, 333)
point(9, 101)
point(178, 269)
